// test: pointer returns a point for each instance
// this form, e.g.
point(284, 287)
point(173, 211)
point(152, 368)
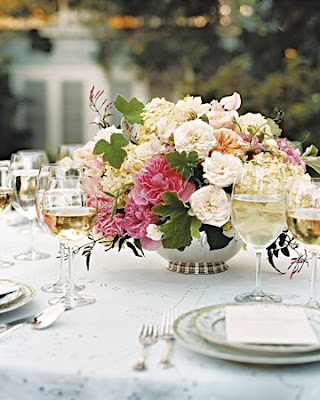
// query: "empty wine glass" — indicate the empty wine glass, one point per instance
point(6, 198)
point(23, 175)
point(258, 214)
point(69, 214)
point(303, 219)
point(46, 174)
point(66, 150)
point(42, 155)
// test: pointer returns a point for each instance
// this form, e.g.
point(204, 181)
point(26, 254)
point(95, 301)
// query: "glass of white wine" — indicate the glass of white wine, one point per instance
point(303, 219)
point(23, 175)
point(46, 174)
point(258, 215)
point(6, 198)
point(69, 214)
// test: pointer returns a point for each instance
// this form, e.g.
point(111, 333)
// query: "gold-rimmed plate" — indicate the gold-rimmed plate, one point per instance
point(25, 294)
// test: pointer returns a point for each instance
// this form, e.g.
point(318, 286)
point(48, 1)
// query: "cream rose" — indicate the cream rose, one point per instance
point(195, 135)
point(211, 205)
point(221, 169)
point(106, 133)
point(231, 102)
point(256, 120)
point(191, 104)
point(219, 117)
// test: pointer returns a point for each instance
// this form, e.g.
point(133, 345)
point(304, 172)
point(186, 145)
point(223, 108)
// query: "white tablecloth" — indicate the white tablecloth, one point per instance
point(89, 352)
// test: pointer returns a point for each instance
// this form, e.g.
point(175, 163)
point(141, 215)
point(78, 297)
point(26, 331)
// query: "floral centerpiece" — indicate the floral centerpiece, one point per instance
point(163, 178)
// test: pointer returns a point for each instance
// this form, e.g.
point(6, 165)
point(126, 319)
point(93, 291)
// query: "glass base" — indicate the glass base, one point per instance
point(60, 287)
point(258, 297)
point(312, 303)
point(31, 256)
point(6, 264)
point(73, 301)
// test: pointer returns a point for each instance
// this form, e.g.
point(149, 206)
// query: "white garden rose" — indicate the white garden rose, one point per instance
point(231, 102)
point(154, 232)
point(192, 104)
point(195, 135)
point(221, 169)
point(106, 133)
point(256, 120)
point(211, 205)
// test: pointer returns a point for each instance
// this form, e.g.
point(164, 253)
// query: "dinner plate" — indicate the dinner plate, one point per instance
point(26, 294)
point(185, 335)
point(8, 292)
point(209, 323)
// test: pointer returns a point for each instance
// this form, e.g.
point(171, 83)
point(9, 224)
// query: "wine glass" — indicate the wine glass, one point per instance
point(303, 219)
point(46, 174)
point(66, 150)
point(42, 155)
point(258, 214)
point(69, 214)
point(6, 198)
point(23, 175)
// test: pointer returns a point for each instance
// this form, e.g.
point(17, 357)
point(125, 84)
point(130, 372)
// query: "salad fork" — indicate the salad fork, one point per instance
point(148, 336)
point(166, 333)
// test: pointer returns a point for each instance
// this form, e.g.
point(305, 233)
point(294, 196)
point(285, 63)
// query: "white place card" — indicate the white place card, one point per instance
point(268, 324)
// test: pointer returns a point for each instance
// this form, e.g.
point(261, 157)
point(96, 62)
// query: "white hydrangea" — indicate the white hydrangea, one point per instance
point(195, 135)
point(211, 205)
point(154, 111)
point(221, 169)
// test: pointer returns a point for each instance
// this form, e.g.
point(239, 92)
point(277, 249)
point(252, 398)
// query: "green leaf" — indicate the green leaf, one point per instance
point(177, 230)
point(311, 158)
point(274, 127)
point(204, 118)
point(131, 110)
point(194, 228)
point(183, 162)
point(215, 237)
point(113, 152)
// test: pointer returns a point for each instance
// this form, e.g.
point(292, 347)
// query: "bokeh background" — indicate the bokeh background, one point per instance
point(53, 51)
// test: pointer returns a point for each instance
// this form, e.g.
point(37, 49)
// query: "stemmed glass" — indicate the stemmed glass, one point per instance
point(46, 174)
point(41, 154)
point(23, 175)
point(6, 198)
point(303, 219)
point(69, 214)
point(258, 214)
point(66, 150)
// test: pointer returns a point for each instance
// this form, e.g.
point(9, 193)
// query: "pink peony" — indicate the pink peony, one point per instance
point(109, 227)
point(293, 155)
point(136, 220)
point(157, 177)
point(100, 201)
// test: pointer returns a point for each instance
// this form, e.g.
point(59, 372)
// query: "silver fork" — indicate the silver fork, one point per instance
point(148, 336)
point(166, 333)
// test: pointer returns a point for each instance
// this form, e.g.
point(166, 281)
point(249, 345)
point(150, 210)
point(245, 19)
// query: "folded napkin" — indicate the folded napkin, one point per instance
point(269, 324)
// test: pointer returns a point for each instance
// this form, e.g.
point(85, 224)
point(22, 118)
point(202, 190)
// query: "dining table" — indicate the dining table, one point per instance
point(89, 352)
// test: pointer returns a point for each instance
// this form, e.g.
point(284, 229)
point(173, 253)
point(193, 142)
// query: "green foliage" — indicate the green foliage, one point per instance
point(183, 162)
point(113, 152)
point(215, 237)
point(179, 229)
point(311, 158)
point(131, 110)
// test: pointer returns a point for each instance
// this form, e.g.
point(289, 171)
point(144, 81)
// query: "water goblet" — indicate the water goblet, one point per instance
point(66, 150)
point(46, 174)
point(258, 214)
point(23, 175)
point(69, 214)
point(6, 198)
point(303, 219)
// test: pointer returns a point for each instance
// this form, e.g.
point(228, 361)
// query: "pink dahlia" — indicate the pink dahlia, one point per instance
point(109, 227)
point(293, 155)
point(136, 220)
point(157, 177)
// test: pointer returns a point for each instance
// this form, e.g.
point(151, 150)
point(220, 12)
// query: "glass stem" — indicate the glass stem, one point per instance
point(70, 293)
point(32, 226)
point(258, 288)
point(63, 279)
point(313, 285)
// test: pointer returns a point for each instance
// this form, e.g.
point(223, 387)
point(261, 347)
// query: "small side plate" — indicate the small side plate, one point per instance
point(25, 294)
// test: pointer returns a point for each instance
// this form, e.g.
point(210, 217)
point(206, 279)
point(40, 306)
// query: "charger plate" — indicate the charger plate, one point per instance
point(209, 323)
point(186, 336)
point(26, 294)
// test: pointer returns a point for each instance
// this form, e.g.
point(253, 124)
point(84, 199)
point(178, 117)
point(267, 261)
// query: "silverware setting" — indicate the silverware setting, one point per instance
point(149, 335)
point(39, 321)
